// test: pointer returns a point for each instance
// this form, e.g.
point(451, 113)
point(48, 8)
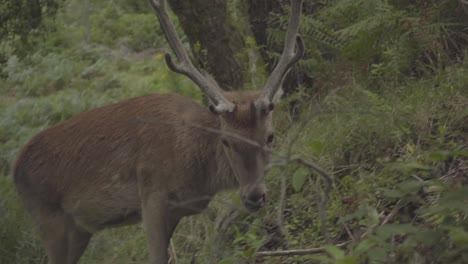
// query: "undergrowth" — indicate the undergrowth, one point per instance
point(387, 117)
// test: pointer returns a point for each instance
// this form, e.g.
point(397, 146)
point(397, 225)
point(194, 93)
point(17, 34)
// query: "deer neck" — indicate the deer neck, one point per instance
point(225, 173)
point(220, 174)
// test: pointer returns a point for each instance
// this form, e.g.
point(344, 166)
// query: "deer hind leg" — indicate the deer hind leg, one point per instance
point(78, 240)
point(52, 229)
point(64, 241)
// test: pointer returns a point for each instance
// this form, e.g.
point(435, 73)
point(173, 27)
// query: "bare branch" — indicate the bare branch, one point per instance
point(310, 164)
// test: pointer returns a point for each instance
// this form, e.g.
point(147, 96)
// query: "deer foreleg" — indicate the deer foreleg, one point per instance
point(155, 216)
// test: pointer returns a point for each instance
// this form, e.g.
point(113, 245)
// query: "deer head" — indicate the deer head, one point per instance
point(245, 118)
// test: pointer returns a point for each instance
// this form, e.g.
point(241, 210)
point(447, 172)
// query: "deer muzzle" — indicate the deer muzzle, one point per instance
point(255, 200)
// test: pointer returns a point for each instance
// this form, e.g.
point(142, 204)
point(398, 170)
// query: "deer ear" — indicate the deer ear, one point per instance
point(270, 107)
point(267, 107)
point(213, 109)
point(278, 95)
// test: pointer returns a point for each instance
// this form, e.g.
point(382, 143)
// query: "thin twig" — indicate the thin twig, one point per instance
point(296, 252)
point(312, 165)
point(281, 204)
point(392, 213)
point(328, 181)
point(322, 198)
point(283, 187)
point(173, 255)
point(350, 234)
point(207, 129)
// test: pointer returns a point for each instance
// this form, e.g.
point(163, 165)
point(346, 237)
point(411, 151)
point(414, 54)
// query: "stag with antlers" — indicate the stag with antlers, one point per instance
point(153, 159)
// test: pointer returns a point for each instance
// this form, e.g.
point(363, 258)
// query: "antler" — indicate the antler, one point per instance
point(288, 58)
point(207, 84)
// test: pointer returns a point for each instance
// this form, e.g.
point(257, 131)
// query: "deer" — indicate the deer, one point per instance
point(152, 159)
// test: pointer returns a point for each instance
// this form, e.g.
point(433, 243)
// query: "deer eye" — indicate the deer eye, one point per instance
point(270, 138)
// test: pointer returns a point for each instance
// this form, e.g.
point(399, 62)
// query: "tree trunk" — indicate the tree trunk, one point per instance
point(218, 42)
point(260, 12)
point(213, 39)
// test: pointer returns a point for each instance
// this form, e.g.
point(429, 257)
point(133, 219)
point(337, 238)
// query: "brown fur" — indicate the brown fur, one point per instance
point(137, 159)
point(155, 158)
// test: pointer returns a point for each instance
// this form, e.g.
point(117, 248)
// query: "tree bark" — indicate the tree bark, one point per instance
point(259, 13)
point(213, 39)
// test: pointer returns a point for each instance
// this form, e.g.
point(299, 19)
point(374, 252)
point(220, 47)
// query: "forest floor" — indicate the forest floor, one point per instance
point(395, 145)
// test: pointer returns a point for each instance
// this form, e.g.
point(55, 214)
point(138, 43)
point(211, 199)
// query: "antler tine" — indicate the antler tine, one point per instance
point(288, 58)
point(209, 87)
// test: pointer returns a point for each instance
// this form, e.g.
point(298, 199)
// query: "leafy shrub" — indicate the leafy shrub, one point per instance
point(19, 242)
point(136, 31)
point(389, 122)
point(39, 75)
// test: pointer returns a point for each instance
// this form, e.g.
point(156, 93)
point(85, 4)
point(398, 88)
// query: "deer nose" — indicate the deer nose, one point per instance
point(255, 201)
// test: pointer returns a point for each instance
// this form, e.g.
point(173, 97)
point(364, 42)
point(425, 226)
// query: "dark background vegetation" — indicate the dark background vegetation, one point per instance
point(380, 101)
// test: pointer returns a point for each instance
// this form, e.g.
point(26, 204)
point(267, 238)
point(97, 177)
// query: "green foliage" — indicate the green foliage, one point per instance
point(299, 178)
point(385, 41)
point(17, 236)
point(402, 146)
point(20, 18)
point(389, 121)
point(443, 243)
point(136, 31)
point(64, 76)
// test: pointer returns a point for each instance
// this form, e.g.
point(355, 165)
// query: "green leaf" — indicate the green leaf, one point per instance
point(387, 231)
point(336, 252)
point(460, 153)
point(411, 186)
point(348, 260)
point(459, 236)
point(372, 216)
point(428, 237)
point(322, 259)
point(410, 166)
point(392, 193)
point(358, 214)
point(377, 254)
point(227, 260)
point(317, 146)
point(236, 200)
point(438, 156)
point(299, 178)
point(249, 252)
point(365, 246)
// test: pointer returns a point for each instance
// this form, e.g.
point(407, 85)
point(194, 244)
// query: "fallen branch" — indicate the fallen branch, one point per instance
point(323, 197)
point(389, 217)
point(295, 252)
point(328, 178)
